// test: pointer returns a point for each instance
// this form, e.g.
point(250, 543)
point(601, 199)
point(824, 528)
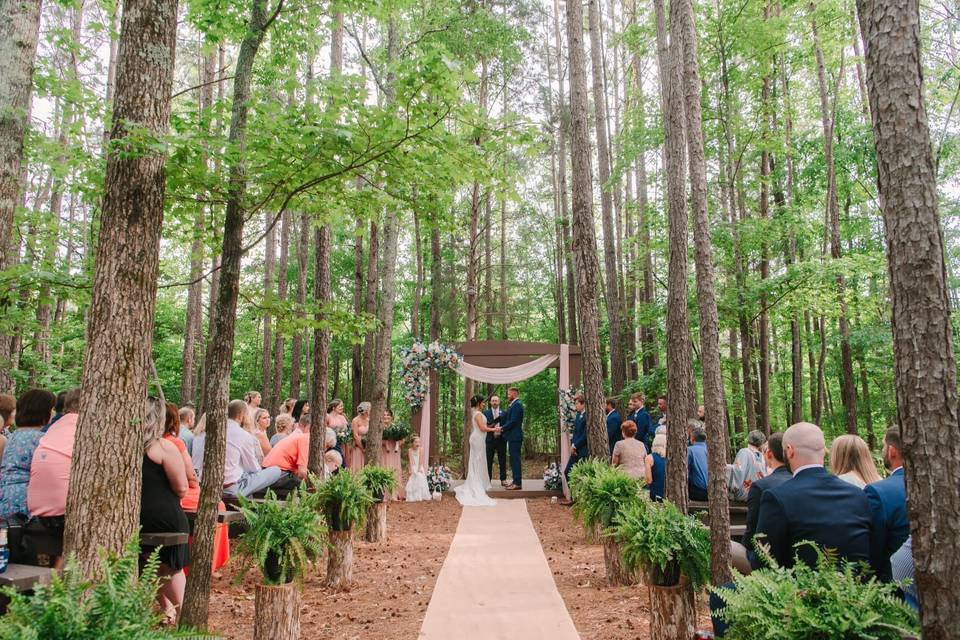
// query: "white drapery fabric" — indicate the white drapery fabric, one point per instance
point(505, 375)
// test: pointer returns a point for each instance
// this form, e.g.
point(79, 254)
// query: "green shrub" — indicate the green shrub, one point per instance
point(584, 472)
point(119, 606)
point(289, 535)
point(378, 480)
point(346, 493)
point(608, 493)
point(664, 542)
point(814, 603)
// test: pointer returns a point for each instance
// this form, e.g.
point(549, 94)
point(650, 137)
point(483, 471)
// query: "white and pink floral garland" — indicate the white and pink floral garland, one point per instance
point(417, 362)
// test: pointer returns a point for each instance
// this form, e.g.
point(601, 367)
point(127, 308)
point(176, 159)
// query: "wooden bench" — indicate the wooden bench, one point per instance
point(24, 577)
point(164, 539)
point(233, 519)
point(738, 511)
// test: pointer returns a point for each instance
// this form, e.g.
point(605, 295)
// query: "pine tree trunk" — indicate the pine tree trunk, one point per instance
point(418, 285)
point(276, 612)
point(925, 368)
point(618, 374)
point(673, 611)
point(103, 502)
point(436, 295)
point(296, 349)
point(278, 345)
point(375, 529)
point(19, 29)
point(584, 236)
point(356, 363)
point(848, 385)
point(370, 305)
point(680, 384)
point(219, 359)
point(714, 405)
point(339, 561)
point(763, 321)
point(269, 264)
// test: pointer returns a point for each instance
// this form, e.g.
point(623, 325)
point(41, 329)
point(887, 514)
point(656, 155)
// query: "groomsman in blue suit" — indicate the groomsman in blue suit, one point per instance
point(888, 507)
point(496, 445)
point(512, 425)
point(578, 445)
point(614, 435)
point(638, 414)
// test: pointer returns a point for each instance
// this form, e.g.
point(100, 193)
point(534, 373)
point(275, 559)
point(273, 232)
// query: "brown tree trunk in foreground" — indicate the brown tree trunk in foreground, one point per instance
point(617, 573)
point(584, 236)
point(219, 359)
point(673, 612)
point(339, 561)
point(375, 529)
point(276, 612)
point(925, 369)
point(713, 400)
point(103, 502)
point(19, 29)
point(680, 384)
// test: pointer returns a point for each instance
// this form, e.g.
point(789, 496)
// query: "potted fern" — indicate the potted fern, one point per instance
point(599, 504)
point(674, 550)
point(580, 476)
point(283, 540)
point(118, 605)
point(807, 603)
point(344, 500)
point(378, 481)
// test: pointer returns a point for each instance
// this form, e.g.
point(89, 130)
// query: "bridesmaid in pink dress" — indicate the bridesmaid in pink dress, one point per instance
point(359, 427)
point(391, 457)
point(336, 419)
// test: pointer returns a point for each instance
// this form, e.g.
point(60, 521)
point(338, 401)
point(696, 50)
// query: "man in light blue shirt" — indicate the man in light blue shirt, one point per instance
point(697, 464)
point(187, 419)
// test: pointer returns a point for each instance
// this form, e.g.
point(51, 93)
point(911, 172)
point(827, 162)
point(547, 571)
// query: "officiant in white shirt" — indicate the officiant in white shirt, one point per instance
point(496, 445)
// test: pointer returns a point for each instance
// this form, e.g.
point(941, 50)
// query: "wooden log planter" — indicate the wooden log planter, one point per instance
point(617, 573)
point(277, 612)
point(376, 527)
point(673, 611)
point(339, 560)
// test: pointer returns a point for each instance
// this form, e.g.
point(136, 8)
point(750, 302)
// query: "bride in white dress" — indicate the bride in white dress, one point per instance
point(473, 491)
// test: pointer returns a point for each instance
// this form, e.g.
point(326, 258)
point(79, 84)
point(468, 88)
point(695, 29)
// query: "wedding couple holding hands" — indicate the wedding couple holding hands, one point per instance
point(492, 431)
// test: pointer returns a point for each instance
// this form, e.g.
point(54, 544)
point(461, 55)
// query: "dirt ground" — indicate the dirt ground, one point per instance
point(393, 583)
point(600, 612)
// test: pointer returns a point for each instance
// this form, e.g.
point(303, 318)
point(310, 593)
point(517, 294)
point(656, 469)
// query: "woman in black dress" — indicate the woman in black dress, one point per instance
point(164, 483)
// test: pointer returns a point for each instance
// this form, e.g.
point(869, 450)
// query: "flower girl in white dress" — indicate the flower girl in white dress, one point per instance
point(417, 488)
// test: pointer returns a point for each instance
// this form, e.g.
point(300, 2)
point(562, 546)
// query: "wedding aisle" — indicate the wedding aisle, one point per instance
point(495, 583)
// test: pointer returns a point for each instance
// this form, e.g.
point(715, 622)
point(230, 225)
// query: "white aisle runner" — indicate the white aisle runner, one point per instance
point(495, 583)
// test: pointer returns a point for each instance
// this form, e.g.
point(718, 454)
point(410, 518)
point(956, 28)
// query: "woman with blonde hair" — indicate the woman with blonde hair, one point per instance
point(261, 422)
point(283, 424)
point(655, 466)
point(850, 460)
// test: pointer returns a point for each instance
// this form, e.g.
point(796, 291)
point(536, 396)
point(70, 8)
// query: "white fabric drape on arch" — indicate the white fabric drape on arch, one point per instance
point(505, 375)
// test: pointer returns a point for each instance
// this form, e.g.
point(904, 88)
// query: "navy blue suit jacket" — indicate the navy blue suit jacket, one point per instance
point(488, 414)
point(645, 430)
point(888, 505)
point(819, 507)
point(775, 479)
point(512, 422)
point(614, 435)
point(580, 435)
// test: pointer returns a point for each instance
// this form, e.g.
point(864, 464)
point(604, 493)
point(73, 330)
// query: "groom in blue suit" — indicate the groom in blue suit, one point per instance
point(512, 425)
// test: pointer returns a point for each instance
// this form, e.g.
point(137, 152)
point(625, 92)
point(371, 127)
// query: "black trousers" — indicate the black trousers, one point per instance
point(498, 447)
point(696, 493)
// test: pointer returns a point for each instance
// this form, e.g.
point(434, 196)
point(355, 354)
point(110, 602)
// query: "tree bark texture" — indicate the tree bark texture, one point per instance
point(370, 306)
point(375, 529)
point(276, 612)
point(356, 366)
point(278, 343)
point(103, 501)
point(269, 264)
point(219, 358)
point(680, 385)
point(682, 15)
point(19, 29)
point(673, 612)
point(587, 267)
point(618, 362)
point(925, 369)
point(617, 573)
point(339, 561)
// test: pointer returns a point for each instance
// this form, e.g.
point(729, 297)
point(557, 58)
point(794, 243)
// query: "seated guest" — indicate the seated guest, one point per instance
point(242, 473)
point(813, 505)
point(579, 449)
point(164, 484)
point(629, 453)
point(901, 567)
point(655, 467)
point(261, 422)
point(748, 466)
point(779, 473)
point(290, 456)
point(303, 424)
point(697, 462)
point(57, 410)
point(8, 409)
point(640, 417)
point(34, 410)
point(613, 424)
point(888, 507)
point(283, 424)
point(851, 460)
point(301, 407)
point(188, 418)
point(50, 469)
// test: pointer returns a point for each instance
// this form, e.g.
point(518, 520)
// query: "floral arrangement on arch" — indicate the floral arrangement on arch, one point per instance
point(552, 480)
point(568, 406)
point(439, 478)
point(417, 362)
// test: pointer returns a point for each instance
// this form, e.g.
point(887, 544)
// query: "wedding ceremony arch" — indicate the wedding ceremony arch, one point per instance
point(485, 361)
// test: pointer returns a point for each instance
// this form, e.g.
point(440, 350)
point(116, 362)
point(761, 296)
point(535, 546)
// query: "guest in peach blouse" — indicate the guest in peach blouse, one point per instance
point(359, 427)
